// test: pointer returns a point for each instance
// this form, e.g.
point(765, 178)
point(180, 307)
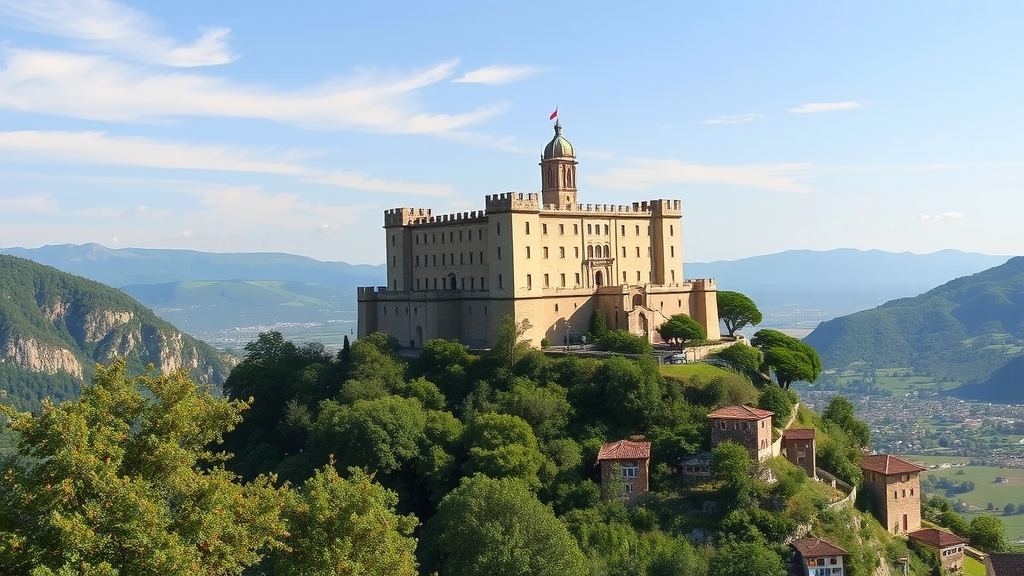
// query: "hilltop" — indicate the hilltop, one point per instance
point(55, 328)
point(964, 330)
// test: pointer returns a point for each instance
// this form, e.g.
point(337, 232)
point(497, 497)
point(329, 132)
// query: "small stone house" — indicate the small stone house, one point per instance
point(948, 546)
point(799, 446)
point(895, 488)
point(819, 557)
point(631, 460)
point(696, 466)
point(745, 425)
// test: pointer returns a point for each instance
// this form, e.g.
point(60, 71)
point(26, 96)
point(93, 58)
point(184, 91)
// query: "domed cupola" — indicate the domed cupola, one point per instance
point(558, 173)
point(559, 147)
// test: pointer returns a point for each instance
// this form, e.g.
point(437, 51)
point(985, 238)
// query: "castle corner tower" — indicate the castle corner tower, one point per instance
point(558, 173)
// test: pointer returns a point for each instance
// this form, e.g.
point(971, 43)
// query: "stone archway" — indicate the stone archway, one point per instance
point(452, 285)
point(642, 321)
point(638, 300)
point(598, 278)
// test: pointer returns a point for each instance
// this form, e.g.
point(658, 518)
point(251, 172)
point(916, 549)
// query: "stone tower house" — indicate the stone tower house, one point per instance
point(895, 488)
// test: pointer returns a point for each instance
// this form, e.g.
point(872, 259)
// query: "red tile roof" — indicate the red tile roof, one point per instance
point(799, 434)
point(624, 450)
point(888, 464)
point(816, 548)
point(937, 538)
point(740, 413)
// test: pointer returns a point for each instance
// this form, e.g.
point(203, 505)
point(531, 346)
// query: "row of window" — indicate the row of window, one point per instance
point(432, 237)
point(904, 491)
point(467, 235)
point(449, 259)
point(593, 229)
point(416, 311)
point(451, 283)
point(592, 252)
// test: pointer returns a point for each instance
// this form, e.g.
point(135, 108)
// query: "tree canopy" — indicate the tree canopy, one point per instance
point(737, 311)
point(680, 329)
point(788, 358)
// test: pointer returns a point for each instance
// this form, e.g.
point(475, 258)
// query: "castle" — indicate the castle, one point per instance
point(542, 257)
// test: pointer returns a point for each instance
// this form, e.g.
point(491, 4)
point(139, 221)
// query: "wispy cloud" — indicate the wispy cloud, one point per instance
point(827, 107)
point(100, 88)
point(942, 216)
point(642, 173)
point(101, 148)
point(21, 204)
point(118, 29)
point(499, 74)
point(737, 119)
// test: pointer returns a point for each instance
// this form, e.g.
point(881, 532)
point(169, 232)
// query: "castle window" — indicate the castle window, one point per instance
point(637, 251)
point(480, 234)
point(577, 278)
point(500, 283)
point(470, 257)
point(394, 261)
point(452, 258)
point(462, 258)
point(451, 236)
point(482, 288)
point(671, 230)
point(463, 282)
point(442, 259)
point(442, 237)
point(546, 285)
point(575, 229)
point(545, 251)
point(485, 307)
point(590, 251)
point(561, 229)
point(499, 252)
point(624, 277)
point(637, 275)
point(562, 279)
point(638, 230)
point(417, 238)
point(672, 251)
point(904, 494)
point(605, 229)
point(623, 229)
point(607, 251)
point(472, 283)
point(894, 496)
point(544, 229)
point(435, 283)
point(435, 259)
point(433, 238)
point(529, 282)
point(673, 272)
point(527, 227)
point(648, 230)
point(561, 251)
point(576, 252)
point(417, 283)
point(392, 239)
point(417, 260)
point(589, 230)
point(623, 251)
point(911, 491)
point(499, 228)
point(527, 251)
point(460, 235)
point(679, 303)
point(481, 256)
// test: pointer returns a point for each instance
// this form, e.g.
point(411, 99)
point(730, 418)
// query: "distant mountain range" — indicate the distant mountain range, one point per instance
point(55, 327)
point(969, 330)
point(226, 299)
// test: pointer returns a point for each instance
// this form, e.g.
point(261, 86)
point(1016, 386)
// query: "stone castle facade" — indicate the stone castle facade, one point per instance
point(542, 257)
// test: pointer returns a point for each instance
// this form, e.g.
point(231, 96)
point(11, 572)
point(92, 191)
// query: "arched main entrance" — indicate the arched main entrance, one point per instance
point(598, 278)
point(638, 300)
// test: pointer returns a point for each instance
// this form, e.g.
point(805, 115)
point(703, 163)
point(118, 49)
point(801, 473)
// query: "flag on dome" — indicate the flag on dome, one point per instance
point(553, 115)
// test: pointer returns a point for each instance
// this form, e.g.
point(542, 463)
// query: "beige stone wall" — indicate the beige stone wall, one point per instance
point(895, 496)
point(754, 435)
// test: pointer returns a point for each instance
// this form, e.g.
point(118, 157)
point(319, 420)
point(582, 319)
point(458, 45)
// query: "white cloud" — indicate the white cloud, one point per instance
point(827, 107)
point(737, 119)
point(942, 216)
point(101, 148)
point(115, 28)
point(40, 203)
point(499, 74)
point(642, 173)
point(100, 88)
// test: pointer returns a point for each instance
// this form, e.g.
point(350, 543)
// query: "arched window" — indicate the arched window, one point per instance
point(590, 229)
point(590, 251)
point(607, 251)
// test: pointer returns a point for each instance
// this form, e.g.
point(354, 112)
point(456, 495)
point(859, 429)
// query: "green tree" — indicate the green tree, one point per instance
point(381, 435)
point(499, 528)
point(779, 401)
point(746, 558)
point(732, 463)
point(121, 481)
point(737, 310)
point(680, 329)
point(986, 534)
point(1009, 509)
point(509, 345)
point(625, 342)
point(841, 412)
point(503, 446)
point(790, 359)
point(345, 526)
point(956, 523)
point(744, 359)
point(598, 327)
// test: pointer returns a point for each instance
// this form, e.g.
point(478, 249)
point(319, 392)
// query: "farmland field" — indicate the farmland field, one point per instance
point(986, 491)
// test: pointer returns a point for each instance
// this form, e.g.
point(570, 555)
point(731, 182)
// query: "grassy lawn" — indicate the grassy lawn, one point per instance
point(697, 369)
point(986, 490)
point(973, 568)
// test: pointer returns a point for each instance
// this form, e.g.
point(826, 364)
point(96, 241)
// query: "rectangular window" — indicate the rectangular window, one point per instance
point(562, 279)
point(545, 251)
point(561, 251)
point(638, 230)
point(623, 251)
point(527, 251)
point(481, 256)
point(442, 259)
point(527, 227)
point(575, 229)
point(577, 278)
point(470, 257)
point(605, 229)
point(624, 277)
point(435, 283)
point(672, 251)
point(576, 252)
point(435, 259)
point(529, 282)
point(630, 471)
point(499, 228)
point(394, 261)
point(462, 258)
point(673, 275)
point(544, 229)
point(623, 229)
point(561, 229)
point(417, 260)
point(637, 251)
point(472, 283)
point(637, 275)
point(546, 281)
point(460, 235)
point(671, 230)
point(499, 252)
point(500, 283)
point(482, 288)
point(417, 283)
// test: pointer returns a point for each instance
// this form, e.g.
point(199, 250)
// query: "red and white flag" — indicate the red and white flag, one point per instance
point(554, 114)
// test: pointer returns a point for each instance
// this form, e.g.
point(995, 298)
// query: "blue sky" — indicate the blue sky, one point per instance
point(244, 126)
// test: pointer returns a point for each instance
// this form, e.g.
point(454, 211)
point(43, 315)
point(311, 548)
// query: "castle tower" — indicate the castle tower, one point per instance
point(558, 173)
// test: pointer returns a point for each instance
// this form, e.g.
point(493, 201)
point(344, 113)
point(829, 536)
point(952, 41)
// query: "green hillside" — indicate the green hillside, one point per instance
point(55, 328)
point(964, 330)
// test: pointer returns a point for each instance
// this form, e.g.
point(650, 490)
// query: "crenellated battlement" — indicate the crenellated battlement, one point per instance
point(512, 201)
point(660, 207)
point(404, 216)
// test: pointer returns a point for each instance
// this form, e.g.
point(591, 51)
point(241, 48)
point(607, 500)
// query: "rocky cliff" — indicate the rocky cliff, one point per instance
point(53, 324)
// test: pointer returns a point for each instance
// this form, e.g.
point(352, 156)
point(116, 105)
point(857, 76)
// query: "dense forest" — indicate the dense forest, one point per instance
point(361, 463)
